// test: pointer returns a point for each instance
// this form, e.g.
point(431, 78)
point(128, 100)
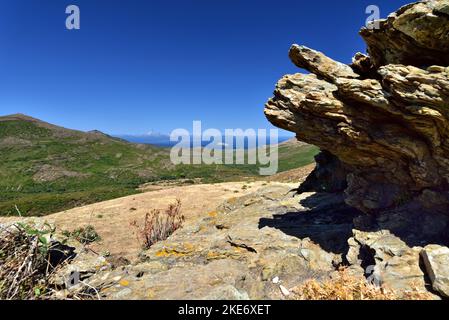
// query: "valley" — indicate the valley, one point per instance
point(45, 168)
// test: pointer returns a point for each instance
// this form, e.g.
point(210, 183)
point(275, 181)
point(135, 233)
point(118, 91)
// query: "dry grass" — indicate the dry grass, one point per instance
point(348, 287)
point(27, 261)
point(159, 225)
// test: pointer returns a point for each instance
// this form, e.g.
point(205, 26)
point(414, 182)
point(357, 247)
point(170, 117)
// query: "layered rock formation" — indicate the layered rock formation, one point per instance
point(385, 117)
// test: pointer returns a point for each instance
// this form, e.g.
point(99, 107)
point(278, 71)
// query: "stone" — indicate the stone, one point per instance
point(284, 290)
point(436, 262)
point(321, 65)
point(234, 263)
point(85, 264)
point(386, 260)
point(227, 292)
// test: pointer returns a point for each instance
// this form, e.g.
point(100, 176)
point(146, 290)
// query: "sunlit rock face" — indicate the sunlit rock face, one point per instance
point(386, 116)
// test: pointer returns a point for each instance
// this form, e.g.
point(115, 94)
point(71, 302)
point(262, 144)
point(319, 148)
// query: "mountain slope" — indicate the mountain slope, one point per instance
point(45, 168)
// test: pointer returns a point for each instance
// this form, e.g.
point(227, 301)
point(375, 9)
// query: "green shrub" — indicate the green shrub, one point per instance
point(84, 235)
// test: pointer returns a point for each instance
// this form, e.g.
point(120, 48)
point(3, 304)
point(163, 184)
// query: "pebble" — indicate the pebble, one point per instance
point(284, 291)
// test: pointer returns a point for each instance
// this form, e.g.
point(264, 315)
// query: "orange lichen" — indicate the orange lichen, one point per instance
point(187, 248)
point(124, 283)
point(212, 214)
point(167, 253)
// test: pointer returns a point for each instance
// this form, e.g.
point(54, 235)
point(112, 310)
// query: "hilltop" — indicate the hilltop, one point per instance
point(46, 168)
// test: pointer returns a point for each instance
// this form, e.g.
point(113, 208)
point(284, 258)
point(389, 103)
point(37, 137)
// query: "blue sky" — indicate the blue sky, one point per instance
point(138, 65)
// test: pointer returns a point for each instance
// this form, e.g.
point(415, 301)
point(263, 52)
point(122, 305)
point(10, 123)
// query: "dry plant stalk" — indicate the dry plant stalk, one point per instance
point(24, 263)
point(159, 225)
point(348, 287)
point(28, 261)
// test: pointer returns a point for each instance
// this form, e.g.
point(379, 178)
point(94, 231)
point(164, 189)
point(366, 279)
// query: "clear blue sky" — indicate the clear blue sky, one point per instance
point(140, 65)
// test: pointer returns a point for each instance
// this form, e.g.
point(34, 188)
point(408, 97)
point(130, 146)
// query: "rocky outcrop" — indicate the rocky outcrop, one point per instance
point(385, 117)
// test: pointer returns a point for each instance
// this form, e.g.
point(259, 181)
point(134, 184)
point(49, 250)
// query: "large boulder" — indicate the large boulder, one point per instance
point(385, 117)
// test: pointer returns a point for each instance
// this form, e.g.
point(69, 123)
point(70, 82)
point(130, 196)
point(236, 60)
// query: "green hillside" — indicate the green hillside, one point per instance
point(45, 168)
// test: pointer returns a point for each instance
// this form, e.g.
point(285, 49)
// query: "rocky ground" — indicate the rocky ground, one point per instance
point(258, 245)
point(264, 242)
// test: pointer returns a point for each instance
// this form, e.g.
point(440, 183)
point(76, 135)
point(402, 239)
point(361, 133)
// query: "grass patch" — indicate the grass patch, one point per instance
point(84, 235)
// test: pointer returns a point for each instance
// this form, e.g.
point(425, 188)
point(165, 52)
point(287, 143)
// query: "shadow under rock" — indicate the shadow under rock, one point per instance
point(328, 222)
point(415, 226)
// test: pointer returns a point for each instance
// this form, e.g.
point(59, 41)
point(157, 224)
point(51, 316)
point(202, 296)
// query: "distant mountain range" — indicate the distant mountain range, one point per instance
point(156, 139)
point(163, 140)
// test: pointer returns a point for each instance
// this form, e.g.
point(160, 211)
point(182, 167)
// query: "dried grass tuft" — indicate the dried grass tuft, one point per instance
point(159, 225)
point(27, 260)
point(348, 287)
